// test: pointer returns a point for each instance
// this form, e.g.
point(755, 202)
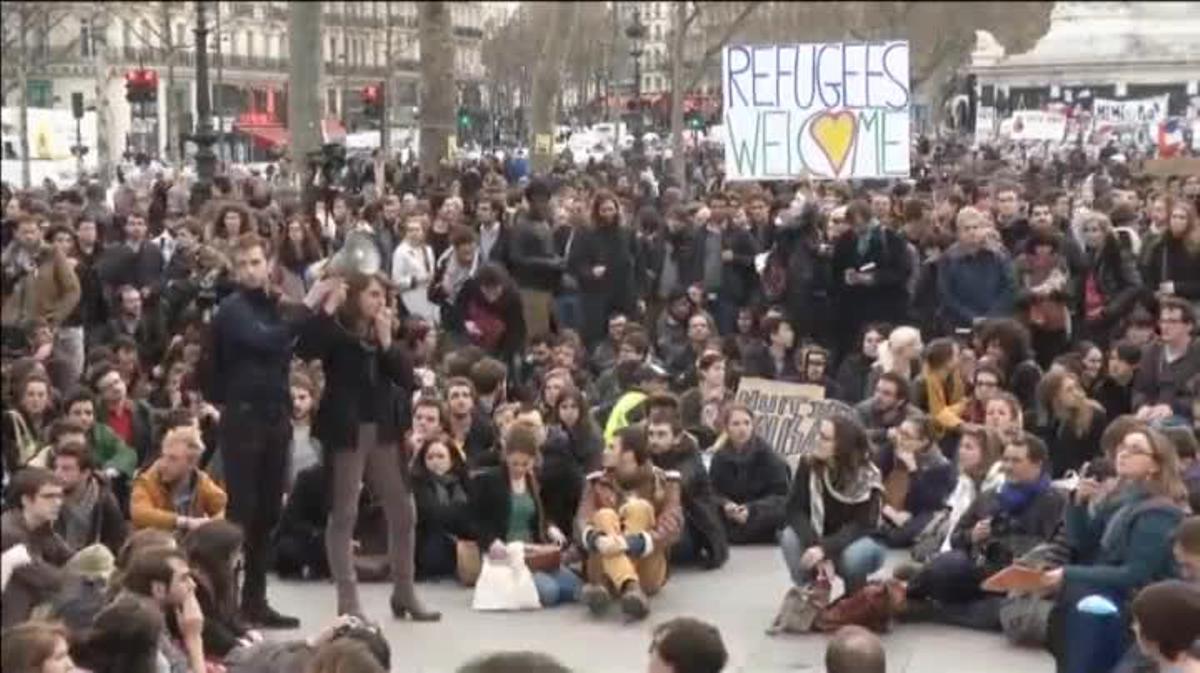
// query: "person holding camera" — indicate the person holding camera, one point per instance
point(1000, 527)
point(39, 281)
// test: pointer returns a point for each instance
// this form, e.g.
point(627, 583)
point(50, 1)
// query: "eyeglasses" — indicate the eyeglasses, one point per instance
point(986, 384)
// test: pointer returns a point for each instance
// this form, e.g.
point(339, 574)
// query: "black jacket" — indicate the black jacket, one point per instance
point(739, 279)
point(491, 503)
point(252, 353)
point(754, 476)
point(887, 298)
point(363, 383)
point(701, 513)
point(613, 247)
point(434, 518)
point(532, 260)
point(1117, 278)
point(122, 265)
point(1069, 451)
point(844, 523)
point(1169, 259)
point(1012, 535)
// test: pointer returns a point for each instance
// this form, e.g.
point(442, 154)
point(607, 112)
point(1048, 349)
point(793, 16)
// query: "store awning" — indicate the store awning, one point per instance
point(266, 136)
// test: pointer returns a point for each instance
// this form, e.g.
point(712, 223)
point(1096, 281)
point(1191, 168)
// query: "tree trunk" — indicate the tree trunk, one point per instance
point(678, 170)
point(546, 78)
point(389, 86)
point(23, 91)
point(100, 82)
point(304, 86)
point(437, 84)
point(172, 110)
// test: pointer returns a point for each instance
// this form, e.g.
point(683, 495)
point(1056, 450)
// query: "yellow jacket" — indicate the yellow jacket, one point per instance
point(151, 505)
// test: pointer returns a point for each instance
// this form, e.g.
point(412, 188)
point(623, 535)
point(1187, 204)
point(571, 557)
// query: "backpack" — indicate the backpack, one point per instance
point(801, 608)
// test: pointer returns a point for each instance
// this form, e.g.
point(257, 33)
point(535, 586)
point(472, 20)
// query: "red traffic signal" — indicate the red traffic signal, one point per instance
point(370, 94)
point(141, 85)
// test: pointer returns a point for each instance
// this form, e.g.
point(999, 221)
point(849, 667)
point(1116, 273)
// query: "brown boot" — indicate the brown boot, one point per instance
point(634, 603)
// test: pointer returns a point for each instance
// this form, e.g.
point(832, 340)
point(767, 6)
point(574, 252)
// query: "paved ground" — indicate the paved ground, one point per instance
point(740, 599)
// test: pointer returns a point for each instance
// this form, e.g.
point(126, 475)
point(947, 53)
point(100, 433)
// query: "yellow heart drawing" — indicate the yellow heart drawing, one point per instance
point(834, 133)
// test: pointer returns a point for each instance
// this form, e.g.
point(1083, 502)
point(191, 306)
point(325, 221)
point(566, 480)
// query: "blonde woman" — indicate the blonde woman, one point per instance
point(900, 353)
point(1121, 538)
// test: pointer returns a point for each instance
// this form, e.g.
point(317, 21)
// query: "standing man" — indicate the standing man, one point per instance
point(252, 353)
point(534, 264)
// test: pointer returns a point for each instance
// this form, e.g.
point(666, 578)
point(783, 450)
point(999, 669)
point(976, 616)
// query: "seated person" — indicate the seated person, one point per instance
point(1121, 539)
point(210, 551)
point(159, 577)
point(90, 513)
point(629, 518)
point(750, 481)
point(470, 428)
point(506, 507)
point(1160, 388)
point(439, 482)
point(833, 507)
point(111, 454)
point(174, 494)
point(886, 407)
point(1000, 527)
point(917, 480)
point(635, 347)
point(300, 535)
point(35, 498)
point(703, 540)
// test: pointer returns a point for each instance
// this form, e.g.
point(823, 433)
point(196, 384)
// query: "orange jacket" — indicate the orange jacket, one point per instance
point(151, 504)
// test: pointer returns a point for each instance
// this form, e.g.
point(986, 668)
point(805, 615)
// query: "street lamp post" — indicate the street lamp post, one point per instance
point(636, 32)
point(206, 161)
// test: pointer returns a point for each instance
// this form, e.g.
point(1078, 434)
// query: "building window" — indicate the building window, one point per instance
point(40, 93)
point(87, 47)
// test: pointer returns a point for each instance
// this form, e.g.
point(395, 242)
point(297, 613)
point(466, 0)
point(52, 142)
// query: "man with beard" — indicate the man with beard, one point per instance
point(703, 541)
point(665, 253)
point(132, 320)
point(629, 517)
point(90, 513)
point(885, 409)
point(135, 261)
point(601, 258)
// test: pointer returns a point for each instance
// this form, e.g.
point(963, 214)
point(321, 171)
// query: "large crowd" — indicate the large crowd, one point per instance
point(421, 378)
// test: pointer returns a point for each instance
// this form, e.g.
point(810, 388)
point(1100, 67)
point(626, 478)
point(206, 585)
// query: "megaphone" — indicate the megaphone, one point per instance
point(358, 255)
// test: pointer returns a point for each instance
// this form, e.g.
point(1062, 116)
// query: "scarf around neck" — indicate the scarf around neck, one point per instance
point(1014, 497)
point(857, 490)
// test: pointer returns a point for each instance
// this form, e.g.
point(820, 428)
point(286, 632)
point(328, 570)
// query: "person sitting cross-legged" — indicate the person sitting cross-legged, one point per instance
point(629, 518)
point(173, 493)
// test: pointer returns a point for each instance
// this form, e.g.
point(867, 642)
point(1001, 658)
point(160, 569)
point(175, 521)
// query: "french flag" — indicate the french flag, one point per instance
point(1170, 137)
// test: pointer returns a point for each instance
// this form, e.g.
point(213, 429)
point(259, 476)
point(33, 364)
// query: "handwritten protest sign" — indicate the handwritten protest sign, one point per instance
point(1037, 125)
point(1140, 110)
point(788, 415)
point(831, 110)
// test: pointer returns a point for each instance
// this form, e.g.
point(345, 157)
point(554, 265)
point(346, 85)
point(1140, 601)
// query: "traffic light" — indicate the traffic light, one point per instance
point(694, 119)
point(372, 95)
point(141, 86)
point(464, 119)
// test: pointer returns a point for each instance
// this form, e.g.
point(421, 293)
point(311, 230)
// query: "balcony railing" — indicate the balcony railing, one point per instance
point(243, 10)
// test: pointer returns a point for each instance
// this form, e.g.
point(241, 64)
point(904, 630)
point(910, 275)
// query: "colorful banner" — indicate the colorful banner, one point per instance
point(788, 415)
point(833, 110)
point(1138, 111)
point(1038, 125)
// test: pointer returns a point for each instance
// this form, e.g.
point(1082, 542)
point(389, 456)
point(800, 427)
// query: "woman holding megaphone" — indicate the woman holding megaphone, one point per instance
point(361, 423)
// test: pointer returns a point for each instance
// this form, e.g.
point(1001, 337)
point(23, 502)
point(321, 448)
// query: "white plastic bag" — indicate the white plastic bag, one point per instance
point(506, 584)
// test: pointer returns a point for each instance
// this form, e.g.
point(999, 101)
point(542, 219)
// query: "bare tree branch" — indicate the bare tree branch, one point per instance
point(714, 49)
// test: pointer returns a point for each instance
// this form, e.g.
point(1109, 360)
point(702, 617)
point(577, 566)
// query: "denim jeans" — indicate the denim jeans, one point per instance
point(560, 586)
point(854, 565)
